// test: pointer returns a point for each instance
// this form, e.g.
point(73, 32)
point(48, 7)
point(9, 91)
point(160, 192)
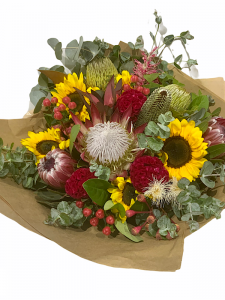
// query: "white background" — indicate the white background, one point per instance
point(38, 268)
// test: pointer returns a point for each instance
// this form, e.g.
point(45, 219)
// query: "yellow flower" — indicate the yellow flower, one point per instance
point(66, 88)
point(43, 142)
point(125, 77)
point(123, 193)
point(185, 149)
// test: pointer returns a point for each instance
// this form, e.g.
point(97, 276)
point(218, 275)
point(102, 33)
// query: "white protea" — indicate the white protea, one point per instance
point(108, 143)
point(112, 144)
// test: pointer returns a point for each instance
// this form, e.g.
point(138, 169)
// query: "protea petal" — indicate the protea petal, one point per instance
point(96, 118)
point(56, 168)
point(115, 116)
point(83, 128)
point(110, 97)
point(88, 123)
point(140, 129)
point(126, 115)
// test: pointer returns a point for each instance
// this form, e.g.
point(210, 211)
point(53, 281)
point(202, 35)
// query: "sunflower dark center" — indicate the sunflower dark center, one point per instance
point(128, 193)
point(44, 147)
point(76, 98)
point(178, 151)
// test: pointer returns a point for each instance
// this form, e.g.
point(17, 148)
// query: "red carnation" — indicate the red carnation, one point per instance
point(134, 97)
point(74, 185)
point(145, 169)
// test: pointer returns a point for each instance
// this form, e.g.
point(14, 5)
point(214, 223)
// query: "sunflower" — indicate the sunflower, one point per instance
point(125, 77)
point(66, 88)
point(43, 142)
point(185, 150)
point(123, 193)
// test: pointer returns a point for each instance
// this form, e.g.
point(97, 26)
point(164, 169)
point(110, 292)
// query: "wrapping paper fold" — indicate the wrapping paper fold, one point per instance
point(20, 205)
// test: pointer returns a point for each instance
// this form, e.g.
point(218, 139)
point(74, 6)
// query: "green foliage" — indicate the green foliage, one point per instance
point(100, 171)
point(192, 202)
point(20, 164)
point(66, 215)
point(73, 135)
point(110, 205)
point(97, 190)
point(123, 228)
point(149, 139)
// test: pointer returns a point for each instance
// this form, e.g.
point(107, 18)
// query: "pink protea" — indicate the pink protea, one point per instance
point(145, 68)
point(56, 168)
point(215, 134)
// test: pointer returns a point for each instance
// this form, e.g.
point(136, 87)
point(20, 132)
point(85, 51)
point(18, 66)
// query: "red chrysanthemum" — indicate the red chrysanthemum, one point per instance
point(134, 97)
point(74, 185)
point(144, 170)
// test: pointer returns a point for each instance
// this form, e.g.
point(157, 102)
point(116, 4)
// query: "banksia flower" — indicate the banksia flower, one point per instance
point(157, 103)
point(56, 168)
point(99, 72)
point(215, 134)
point(180, 98)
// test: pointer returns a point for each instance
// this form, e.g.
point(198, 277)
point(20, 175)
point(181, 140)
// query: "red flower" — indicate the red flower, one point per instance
point(145, 169)
point(134, 97)
point(74, 185)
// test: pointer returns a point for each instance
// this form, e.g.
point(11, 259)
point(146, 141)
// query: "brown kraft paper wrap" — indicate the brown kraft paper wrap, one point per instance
point(20, 205)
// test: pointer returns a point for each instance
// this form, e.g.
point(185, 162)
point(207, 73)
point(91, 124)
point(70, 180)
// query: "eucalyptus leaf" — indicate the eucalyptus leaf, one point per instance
point(73, 135)
point(123, 228)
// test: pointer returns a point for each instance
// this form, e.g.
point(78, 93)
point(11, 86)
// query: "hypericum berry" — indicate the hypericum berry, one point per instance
point(66, 100)
point(146, 91)
point(140, 89)
point(126, 87)
point(110, 220)
point(79, 204)
point(46, 102)
point(54, 100)
point(56, 109)
point(87, 212)
point(61, 107)
point(106, 230)
point(72, 105)
point(134, 78)
point(136, 230)
point(100, 213)
point(58, 115)
point(94, 221)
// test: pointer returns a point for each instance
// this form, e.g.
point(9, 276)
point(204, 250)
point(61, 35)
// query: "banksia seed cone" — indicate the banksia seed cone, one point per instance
point(56, 168)
point(180, 98)
point(157, 103)
point(99, 72)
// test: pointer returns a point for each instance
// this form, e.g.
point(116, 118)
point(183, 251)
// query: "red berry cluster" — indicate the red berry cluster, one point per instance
point(57, 111)
point(99, 214)
point(134, 80)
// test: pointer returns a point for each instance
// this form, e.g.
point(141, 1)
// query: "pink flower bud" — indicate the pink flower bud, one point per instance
point(151, 219)
point(141, 198)
point(168, 236)
point(136, 230)
point(158, 236)
point(130, 213)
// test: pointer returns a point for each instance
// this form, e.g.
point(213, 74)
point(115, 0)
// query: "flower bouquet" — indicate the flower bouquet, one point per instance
point(120, 144)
